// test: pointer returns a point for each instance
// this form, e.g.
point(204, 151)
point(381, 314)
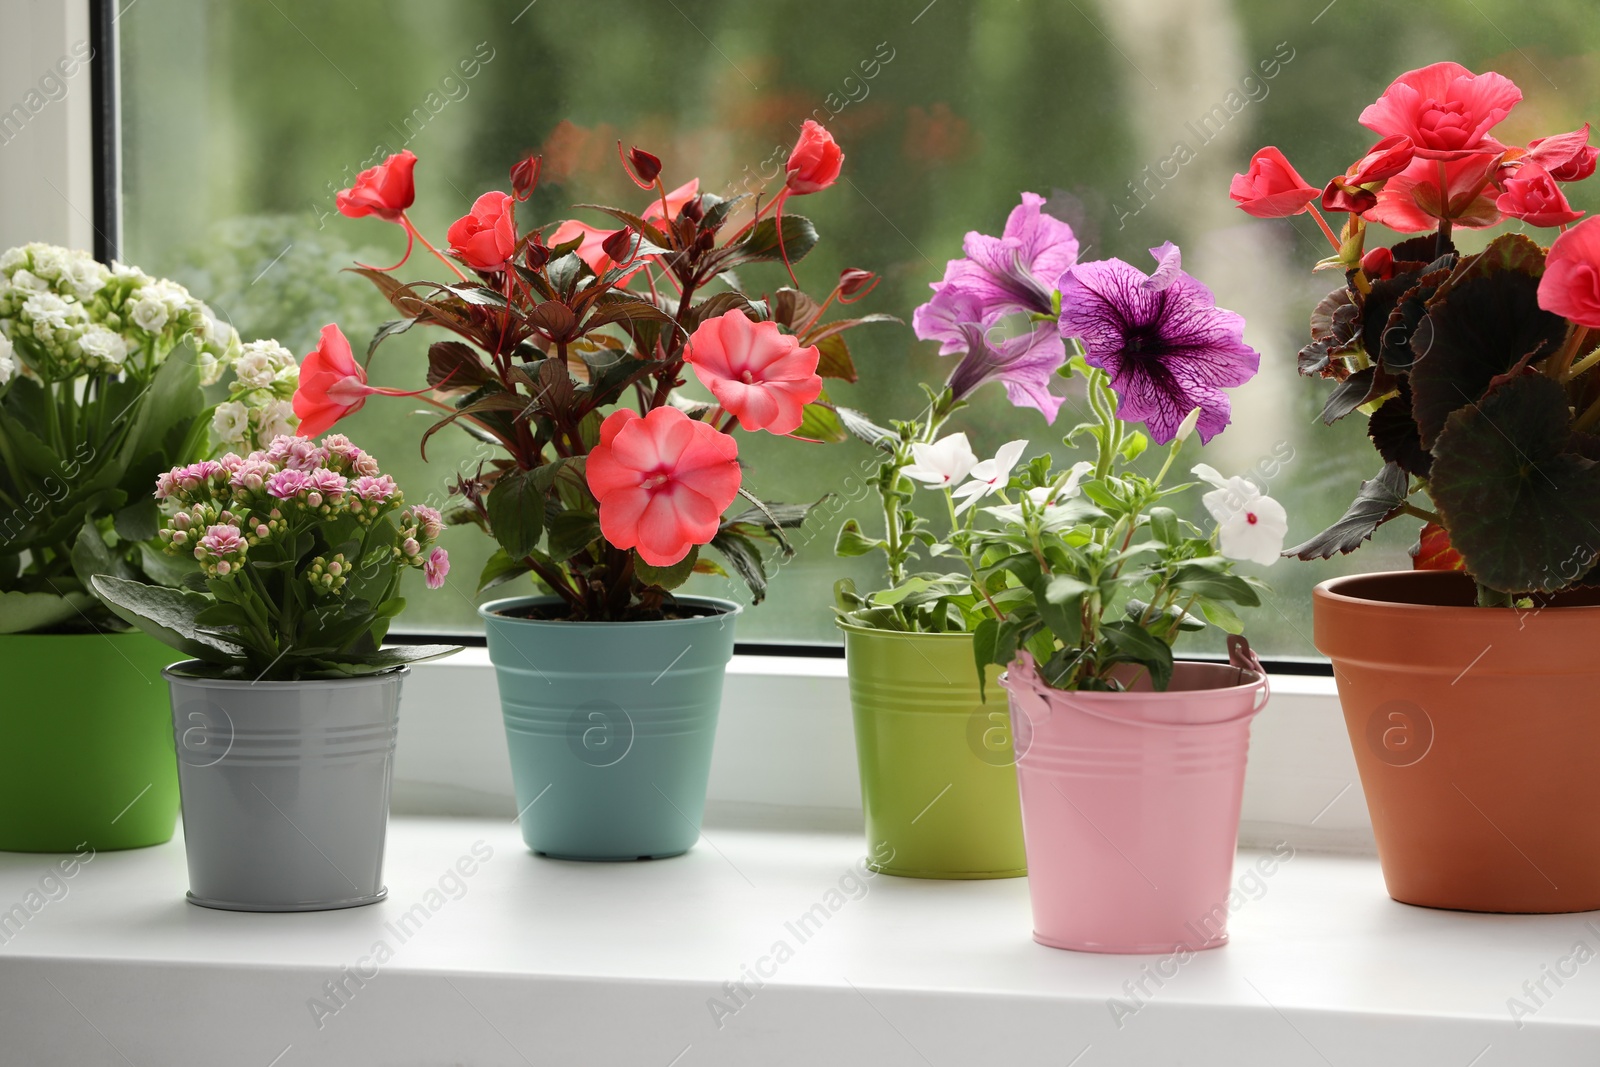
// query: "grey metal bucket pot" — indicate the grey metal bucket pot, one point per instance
point(610, 726)
point(285, 788)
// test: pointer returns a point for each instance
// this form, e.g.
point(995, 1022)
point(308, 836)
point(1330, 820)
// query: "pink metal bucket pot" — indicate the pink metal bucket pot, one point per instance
point(1130, 806)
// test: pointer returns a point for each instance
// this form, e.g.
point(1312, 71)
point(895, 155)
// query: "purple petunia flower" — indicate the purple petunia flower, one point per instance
point(1024, 364)
point(1167, 346)
point(1000, 275)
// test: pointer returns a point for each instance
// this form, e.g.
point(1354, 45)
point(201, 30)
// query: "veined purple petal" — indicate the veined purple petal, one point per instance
point(942, 318)
point(1012, 272)
point(1168, 350)
point(1169, 264)
point(1025, 365)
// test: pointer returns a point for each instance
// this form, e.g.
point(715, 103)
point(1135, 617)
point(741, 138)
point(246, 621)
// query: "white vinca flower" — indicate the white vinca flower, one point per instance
point(230, 423)
point(990, 476)
point(1250, 525)
point(1060, 494)
point(944, 463)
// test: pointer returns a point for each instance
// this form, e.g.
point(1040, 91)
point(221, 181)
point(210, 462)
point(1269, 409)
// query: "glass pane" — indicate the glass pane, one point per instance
point(242, 120)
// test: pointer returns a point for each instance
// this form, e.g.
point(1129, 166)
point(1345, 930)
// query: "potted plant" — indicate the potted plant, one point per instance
point(935, 756)
point(567, 360)
point(1130, 763)
point(102, 372)
point(285, 718)
point(1466, 683)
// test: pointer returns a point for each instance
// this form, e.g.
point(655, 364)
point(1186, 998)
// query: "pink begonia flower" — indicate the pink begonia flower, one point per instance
point(1570, 286)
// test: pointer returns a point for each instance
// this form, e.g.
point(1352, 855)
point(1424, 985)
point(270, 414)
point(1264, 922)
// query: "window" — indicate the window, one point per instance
point(241, 120)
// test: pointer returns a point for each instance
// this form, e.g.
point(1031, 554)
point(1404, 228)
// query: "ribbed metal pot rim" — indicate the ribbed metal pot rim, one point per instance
point(175, 673)
point(494, 608)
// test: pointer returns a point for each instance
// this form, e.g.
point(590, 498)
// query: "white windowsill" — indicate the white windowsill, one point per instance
point(785, 754)
point(542, 961)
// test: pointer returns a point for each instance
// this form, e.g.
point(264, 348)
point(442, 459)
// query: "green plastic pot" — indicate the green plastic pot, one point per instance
point(938, 778)
point(86, 750)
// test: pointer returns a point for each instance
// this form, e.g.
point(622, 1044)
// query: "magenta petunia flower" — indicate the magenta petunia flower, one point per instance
point(1025, 365)
point(1167, 346)
point(1006, 274)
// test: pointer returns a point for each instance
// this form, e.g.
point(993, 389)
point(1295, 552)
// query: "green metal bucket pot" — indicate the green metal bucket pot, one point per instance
point(86, 750)
point(610, 726)
point(938, 780)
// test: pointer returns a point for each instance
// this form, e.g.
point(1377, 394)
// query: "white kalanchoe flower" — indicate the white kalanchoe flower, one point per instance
point(103, 347)
point(944, 463)
point(150, 312)
point(1250, 525)
point(990, 476)
point(254, 369)
point(275, 420)
point(26, 279)
point(230, 423)
point(8, 362)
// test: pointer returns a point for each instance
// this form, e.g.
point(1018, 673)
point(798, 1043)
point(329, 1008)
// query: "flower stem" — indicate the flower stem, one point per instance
point(1563, 368)
point(1326, 229)
point(414, 232)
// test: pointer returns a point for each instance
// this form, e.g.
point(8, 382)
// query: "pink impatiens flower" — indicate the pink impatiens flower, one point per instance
point(662, 481)
point(756, 372)
point(435, 567)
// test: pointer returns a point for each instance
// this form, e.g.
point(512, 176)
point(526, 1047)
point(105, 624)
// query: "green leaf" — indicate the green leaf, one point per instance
point(669, 577)
point(455, 365)
point(1379, 501)
point(820, 422)
point(1221, 615)
point(570, 532)
point(168, 615)
point(390, 656)
point(1522, 505)
point(1203, 581)
point(852, 542)
point(834, 358)
point(22, 613)
point(139, 521)
point(1135, 644)
point(91, 556)
point(1059, 601)
point(744, 556)
point(516, 512)
point(761, 244)
point(501, 568)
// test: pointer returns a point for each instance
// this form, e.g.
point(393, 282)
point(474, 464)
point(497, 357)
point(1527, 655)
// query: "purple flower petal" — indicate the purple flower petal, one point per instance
point(1169, 264)
point(1168, 350)
point(942, 318)
point(1025, 365)
point(1012, 272)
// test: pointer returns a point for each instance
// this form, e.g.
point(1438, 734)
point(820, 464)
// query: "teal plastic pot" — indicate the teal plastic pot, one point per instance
point(610, 725)
point(938, 781)
point(85, 742)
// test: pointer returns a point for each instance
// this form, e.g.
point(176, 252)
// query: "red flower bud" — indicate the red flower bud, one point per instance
point(1342, 196)
point(647, 166)
point(525, 175)
point(1378, 264)
point(693, 211)
point(619, 246)
point(535, 254)
point(815, 161)
point(855, 283)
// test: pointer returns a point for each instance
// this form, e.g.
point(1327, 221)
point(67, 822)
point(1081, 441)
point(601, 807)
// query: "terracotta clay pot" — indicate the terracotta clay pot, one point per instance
point(1477, 735)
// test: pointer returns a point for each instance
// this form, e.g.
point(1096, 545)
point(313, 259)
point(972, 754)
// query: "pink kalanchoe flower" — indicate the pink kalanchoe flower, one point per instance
point(374, 490)
point(196, 475)
point(167, 483)
point(296, 453)
point(231, 462)
point(253, 473)
point(285, 485)
point(329, 483)
point(221, 540)
point(756, 372)
point(436, 567)
point(429, 520)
